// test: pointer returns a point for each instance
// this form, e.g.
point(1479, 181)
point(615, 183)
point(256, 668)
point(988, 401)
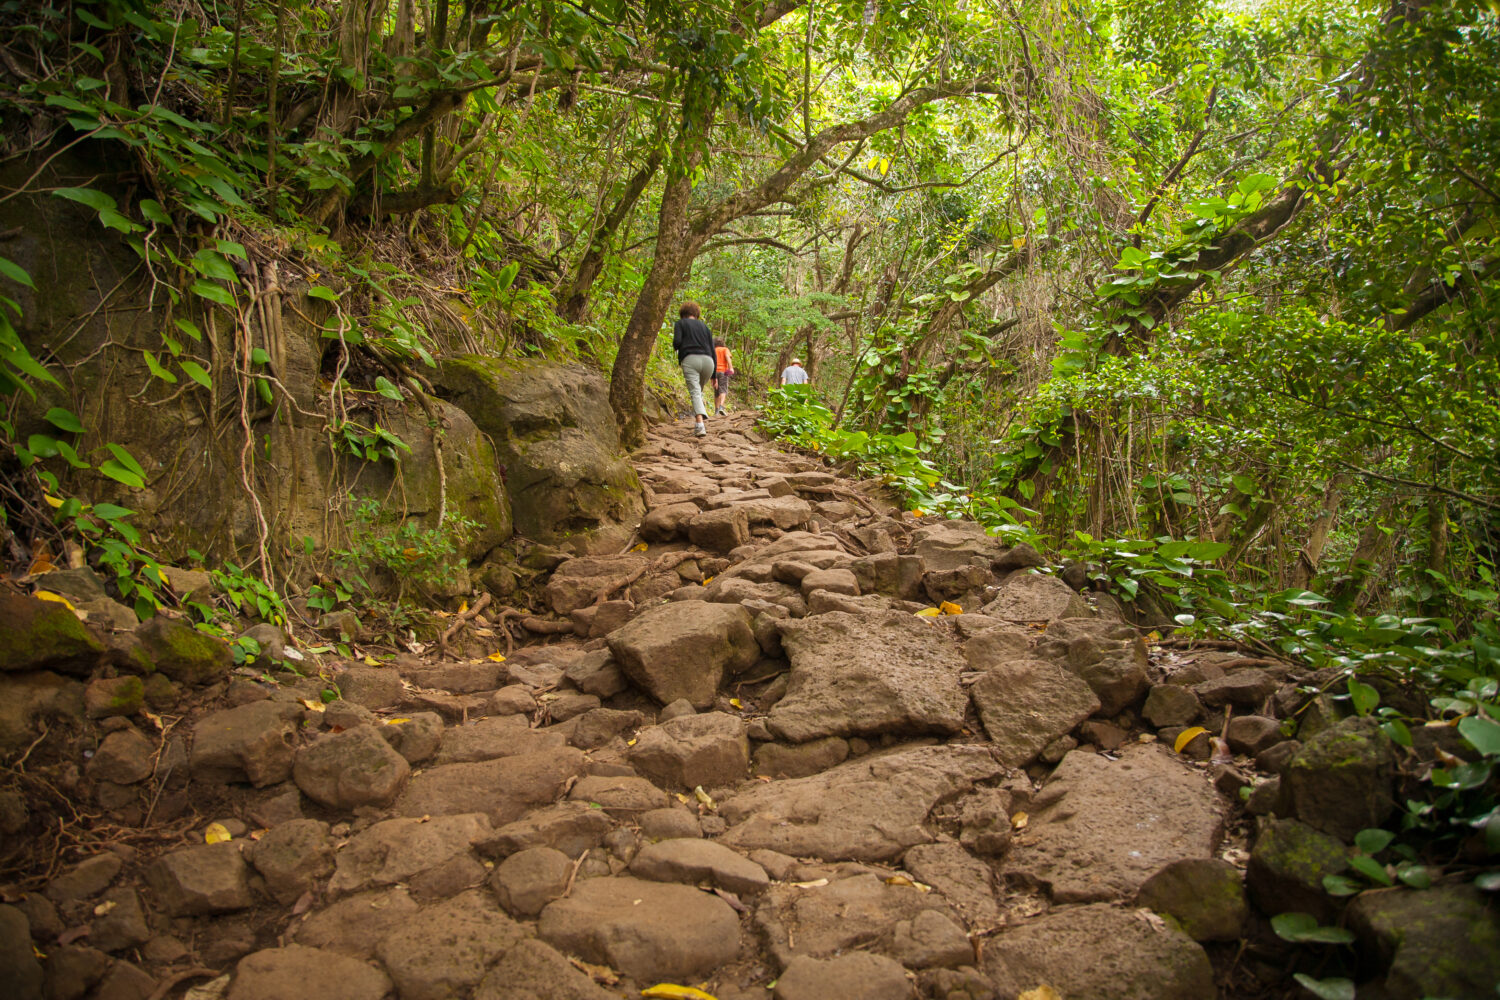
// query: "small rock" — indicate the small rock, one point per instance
point(619, 796)
point(297, 972)
point(709, 750)
point(676, 710)
point(1205, 896)
point(44, 635)
point(124, 757)
point(597, 673)
point(1250, 734)
point(856, 976)
point(1026, 704)
point(1343, 779)
point(417, 738)
point(570, 827)
point(19, 967)
point(1246, 689)
point(196, 881)
point(1275, 758)
point(676, 655)
point(372, 687)
point(446, 952)
point(669, 824)
point(777, 760)
point(123, 925)
point(1171, 705)
point(570, 706)
point(112, 696)
point(695, 861)
point(124, 981)
point(596, 728)
point(293, 857)
point(930, 939)
point(89, 877)
point(513, 699)
point(352, 768)
point(72, 970)
point(249, 743)
point(190, 585)
point(528, 880)
point(719, 530)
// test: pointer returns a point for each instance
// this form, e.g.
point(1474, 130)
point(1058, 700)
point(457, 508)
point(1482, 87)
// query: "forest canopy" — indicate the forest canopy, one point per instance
point(1200, 292)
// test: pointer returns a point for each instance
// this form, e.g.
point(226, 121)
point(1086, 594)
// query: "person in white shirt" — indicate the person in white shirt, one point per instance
point(794, 374)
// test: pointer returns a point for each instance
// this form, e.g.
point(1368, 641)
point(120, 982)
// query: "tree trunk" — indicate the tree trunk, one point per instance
point(1317, 534)
point(575, 301)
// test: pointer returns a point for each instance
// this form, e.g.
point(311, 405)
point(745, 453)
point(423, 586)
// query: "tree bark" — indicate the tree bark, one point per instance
point(575, 301)
point(1311, 553)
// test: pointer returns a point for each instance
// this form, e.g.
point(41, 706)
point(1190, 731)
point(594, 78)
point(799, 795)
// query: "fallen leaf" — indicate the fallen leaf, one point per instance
point(682, 798)
point(736, 703)
point(257, 834)
point(703, 797)
point(216, 833)
point(497, 657)
point(370, 661)
point(52, 501)
point(486, 633)
point(815, 883)
point(153, 718)
point(314, 706)
point(671, 991)
point(39, 953)
point(1019, 821)
point(1187, 736)
point(630, 743)
point(463, 606)
point(639, 548)
point(903, 880)
point(104, 907)
point(395, 722)
point(928, 613)
point(1041, 993)
point(949, 608)
point(47, 595)
point(412, 555)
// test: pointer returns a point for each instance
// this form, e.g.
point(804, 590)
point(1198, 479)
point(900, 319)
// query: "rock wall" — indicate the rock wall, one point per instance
point(538, 454)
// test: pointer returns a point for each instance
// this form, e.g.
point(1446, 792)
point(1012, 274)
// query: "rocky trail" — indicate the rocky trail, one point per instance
point(752, 755)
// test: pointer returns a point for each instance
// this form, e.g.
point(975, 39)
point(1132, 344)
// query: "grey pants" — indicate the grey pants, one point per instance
point(698, 370)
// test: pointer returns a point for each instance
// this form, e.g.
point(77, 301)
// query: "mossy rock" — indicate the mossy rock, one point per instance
point(184, 654)
point(1287, 867)
point(44, 635)
point(1438, 942)
point(1343, 779)
point(1205, 896)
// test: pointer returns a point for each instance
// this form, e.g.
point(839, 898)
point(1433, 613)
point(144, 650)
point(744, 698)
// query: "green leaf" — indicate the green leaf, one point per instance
point(118, 472)
point(1364, 697)
point(153, 212)
point(97, 200)
point(507, 275)
point(112, 512)
point(15, 273)
point(1341, 885)
point(1301, 927)
point(258, 356)
point(1373, 840)
point(322, 292)
point(1483, 734)
point(1397, 731)
point(157, 369)
point(64, 420)
point(1371, 869)
point(1326, 989)
point(1415, 876)
point(126, 459)
point(195, 372)
point(212, 292)
point(190, 328)
point(211, 264)
point(385, 388)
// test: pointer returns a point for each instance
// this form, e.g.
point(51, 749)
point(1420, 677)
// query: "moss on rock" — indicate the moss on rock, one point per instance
point(44, 635)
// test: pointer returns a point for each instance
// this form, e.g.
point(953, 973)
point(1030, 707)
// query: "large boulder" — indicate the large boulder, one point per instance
point(868, 809)
point(1287, 866)
point(675, 652)
point(557, 439)
point(1099, 952)
point(1031, 597)
point(183, 653)
point(353, 768)
point(865, 674)
point(246, 743)
point(1343, 779)
point(819, 921)
point(196, 881)
point(650, 931)
point(1101, 827)
point(44, 635)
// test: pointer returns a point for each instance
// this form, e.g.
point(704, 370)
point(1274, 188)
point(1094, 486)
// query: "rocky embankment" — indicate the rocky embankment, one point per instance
point(744, 761)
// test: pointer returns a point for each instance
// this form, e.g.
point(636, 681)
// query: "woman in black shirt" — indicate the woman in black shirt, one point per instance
point(695, 353)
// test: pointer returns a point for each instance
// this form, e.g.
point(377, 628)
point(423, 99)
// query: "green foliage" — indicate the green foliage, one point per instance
point(410, 553)
point(249, 595)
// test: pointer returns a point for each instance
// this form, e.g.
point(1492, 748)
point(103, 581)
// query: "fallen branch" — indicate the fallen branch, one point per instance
point(542, 626)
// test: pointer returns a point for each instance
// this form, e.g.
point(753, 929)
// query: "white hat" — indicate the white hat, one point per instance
point(796, 361)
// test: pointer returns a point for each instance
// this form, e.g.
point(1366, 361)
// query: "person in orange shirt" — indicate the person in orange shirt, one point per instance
point(723, 370)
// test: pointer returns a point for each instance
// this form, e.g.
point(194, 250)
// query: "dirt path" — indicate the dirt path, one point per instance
point(753, 758)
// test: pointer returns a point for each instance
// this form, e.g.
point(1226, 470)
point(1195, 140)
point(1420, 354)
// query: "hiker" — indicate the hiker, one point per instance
point(723, 371)
point(794, 373)
point(695, 353)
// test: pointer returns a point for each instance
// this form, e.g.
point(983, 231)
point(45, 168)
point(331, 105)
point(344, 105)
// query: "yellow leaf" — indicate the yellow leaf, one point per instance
point(314, 706)
point(104, 907)
point(370, 661)
point(395, 722)
point(52, 501)
point(1041, 993)
point(707, 580)
point(631, 743)
point(917, 512)
point(903, 880)
point(1153, 636)
point(1018, 242)
point(704, 797)
point(497, 657)
point(928, 613)
point(411, 554)
point(216, 834)
point(639, 548)
point(815, 883)
point(1187, 736)
point(47, 595)
point(671, 991)
point(463, 606)
point(1019, 821)
point(736, 703)
point(949, 608)
point(682, 798)
point(885, 166)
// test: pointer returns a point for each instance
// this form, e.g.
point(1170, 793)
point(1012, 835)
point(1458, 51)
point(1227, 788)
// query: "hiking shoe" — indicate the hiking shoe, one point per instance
point(700, 431)
point(722, 412)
